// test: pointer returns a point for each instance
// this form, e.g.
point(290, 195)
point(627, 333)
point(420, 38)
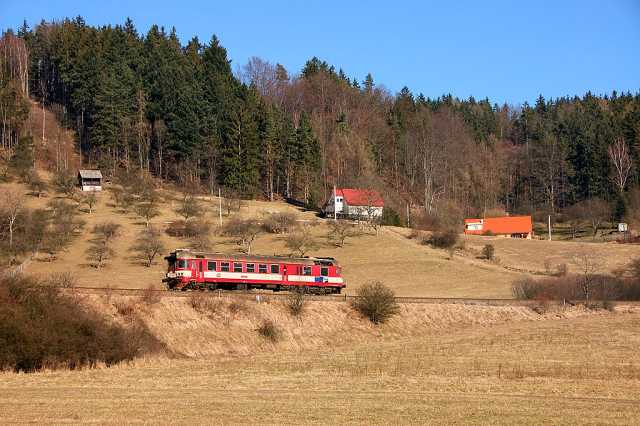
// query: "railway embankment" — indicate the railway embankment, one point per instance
point(203, 324)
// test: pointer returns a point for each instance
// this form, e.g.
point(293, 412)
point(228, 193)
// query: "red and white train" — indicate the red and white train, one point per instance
point(194, 270)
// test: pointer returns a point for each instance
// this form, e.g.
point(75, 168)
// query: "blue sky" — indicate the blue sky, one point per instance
point(504, 50)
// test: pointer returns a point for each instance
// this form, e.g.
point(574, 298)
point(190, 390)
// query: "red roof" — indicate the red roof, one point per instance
point(501, 225)
point(361, 197)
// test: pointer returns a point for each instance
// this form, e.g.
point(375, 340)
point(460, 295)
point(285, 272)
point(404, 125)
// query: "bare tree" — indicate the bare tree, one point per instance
point(597, 211)
point(300, 242)
point(148, 245)
point(12, 205)
point(339, 231)
point(147, 210)
point(621, 160)
point(588, 267)
point(244, 230)
point(37, 185)
point(90, 200)
point(100, 250)
point(189, 207)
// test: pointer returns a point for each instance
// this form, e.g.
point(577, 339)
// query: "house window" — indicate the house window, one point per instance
point(224, 266)
point(306, 270)
point(251, 267)
point(275, 269)
point(262, 268)
point(324, 271)
point(237, 267)
point(211, 266)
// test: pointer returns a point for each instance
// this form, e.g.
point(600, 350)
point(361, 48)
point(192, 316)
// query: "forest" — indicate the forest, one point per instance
point(180, 112)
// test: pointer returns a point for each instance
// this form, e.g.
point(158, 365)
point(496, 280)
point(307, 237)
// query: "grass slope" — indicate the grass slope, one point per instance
point(585, 370)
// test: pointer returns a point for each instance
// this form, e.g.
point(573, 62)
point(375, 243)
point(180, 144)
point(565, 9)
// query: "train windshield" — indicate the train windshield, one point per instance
point(181, 264)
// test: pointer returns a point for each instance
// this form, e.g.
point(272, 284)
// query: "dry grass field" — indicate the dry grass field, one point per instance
point(440, 363)
point(408, 267)
point(515, 368)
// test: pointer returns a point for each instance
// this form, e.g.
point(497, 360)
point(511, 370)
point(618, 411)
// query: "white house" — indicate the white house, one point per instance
point(354, 203)
point(90, 180)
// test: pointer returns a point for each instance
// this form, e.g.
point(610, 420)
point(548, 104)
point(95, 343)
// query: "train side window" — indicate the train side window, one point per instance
point(211, 266)
point(275, 269)
point(251, 267)
point(262, 268)
point(182, 264)
point(237, 267)
point(224, 266)
point(306, 270)
point(324, 271)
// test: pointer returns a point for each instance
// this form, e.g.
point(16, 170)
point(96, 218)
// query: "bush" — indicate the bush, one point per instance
point(269, 330)
point(488, 251)
point(376, 301)
point(296, 302)
point(204, 304)
point(41, 327)
point(280, 223)
point(390, 217)
point(443, 239)
point(150, 296)
point(570, 287)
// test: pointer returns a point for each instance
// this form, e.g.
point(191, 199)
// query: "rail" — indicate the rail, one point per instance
point(264, 296)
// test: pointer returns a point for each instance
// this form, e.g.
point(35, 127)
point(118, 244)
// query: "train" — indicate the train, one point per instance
point(192, 270)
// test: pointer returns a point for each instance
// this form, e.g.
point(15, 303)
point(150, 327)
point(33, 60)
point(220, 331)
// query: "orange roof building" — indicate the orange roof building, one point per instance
point(511, 226)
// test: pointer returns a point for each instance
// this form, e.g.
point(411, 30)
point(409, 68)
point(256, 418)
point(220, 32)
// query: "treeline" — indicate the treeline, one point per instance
point(149, 102)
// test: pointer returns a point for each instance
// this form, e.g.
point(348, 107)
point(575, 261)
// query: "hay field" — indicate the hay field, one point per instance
point(574, 369)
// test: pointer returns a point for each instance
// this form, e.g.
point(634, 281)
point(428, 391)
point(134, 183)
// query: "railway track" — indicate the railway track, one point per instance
point(263, 296)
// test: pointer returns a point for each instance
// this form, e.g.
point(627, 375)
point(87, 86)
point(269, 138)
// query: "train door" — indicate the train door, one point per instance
point(197, 270)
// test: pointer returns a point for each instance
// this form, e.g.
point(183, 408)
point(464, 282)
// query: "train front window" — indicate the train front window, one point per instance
point(324, 271)
point(181, 264)
point(237, 267)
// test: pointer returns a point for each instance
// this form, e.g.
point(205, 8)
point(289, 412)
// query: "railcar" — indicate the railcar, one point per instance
point(190, 270)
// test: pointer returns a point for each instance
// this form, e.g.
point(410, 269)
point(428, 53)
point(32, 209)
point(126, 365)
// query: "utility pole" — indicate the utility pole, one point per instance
point(335, 204)
point(220, 205)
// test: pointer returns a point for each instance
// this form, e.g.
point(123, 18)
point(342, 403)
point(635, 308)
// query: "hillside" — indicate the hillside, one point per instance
point(405, 265)
point(433, 362)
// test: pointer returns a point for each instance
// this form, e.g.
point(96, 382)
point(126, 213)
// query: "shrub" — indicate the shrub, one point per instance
point(150, 296)
point(237, 306)
point(42, 327)
point(269, 330)
point(390, 217)
point(125, 308)
point(280, 223)
point(376, 301)
point(296, 302)
point(204, 304)
point(62, 280)
point(488, 251)
point(65, 182)
point(443, 239)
